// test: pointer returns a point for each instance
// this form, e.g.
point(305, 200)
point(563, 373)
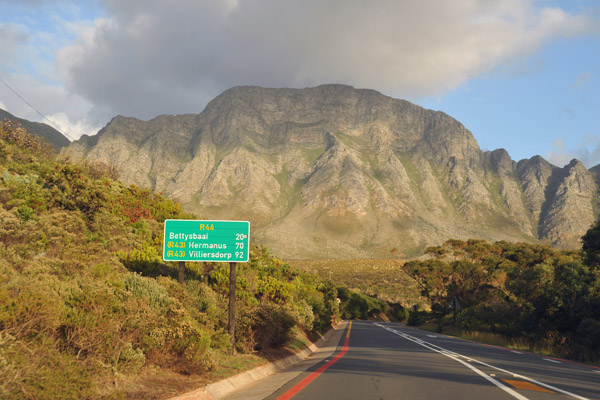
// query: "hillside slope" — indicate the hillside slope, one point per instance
point(88, 309)
point(46, 132)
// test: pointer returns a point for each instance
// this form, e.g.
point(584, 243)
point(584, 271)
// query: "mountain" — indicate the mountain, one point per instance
point(51, 135)
point(337, 172)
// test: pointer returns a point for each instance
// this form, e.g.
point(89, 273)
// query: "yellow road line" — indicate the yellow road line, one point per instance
point(526, 385)
point(348, 333)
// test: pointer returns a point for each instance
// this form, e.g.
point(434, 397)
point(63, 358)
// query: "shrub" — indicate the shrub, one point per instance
point(144, 260)
point(9, 224)
point(273, 289)
point(273, 324)
point(306, 317)
point(399, 312)
point(147, 290)
point(131, 359)
point(25, 213)
point(587, 347)
point(189, 341)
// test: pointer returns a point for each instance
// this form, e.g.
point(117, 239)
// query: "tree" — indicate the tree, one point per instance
point(591, 246)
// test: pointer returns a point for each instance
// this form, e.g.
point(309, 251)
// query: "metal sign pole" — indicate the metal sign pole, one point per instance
point(181, 271)
point(232, 284)
point(454, 308)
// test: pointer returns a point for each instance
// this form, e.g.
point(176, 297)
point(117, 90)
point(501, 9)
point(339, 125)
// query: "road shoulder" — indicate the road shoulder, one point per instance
point(264, 380)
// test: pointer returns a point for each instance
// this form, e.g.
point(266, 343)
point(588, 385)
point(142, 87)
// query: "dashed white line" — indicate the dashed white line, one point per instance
point(551, 360)
point(455, 356)
point(516, 352)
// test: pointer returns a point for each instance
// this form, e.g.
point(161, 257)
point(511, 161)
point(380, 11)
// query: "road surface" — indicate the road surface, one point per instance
point(392, 361)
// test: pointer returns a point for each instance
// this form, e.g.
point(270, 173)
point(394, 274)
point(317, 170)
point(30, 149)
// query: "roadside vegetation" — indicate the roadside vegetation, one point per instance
point(525, 296)
point(88, 309)
point(380, 278)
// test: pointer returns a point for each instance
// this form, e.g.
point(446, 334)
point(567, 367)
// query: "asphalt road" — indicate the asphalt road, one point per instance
point(393, 361)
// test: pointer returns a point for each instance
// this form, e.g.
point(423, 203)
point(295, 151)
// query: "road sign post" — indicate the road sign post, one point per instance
point(231, 321)
point(455, 305)
point(181, 272)
point(215, 241)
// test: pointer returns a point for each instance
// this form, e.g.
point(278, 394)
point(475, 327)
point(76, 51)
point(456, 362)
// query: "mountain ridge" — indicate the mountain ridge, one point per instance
point(45, 131)
point(337, 172)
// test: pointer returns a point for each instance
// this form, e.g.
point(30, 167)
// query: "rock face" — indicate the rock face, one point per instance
point(337, 172)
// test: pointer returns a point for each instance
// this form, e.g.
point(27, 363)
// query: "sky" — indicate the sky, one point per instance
point(523, 75)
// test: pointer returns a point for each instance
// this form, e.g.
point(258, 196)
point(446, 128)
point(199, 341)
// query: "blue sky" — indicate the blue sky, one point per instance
point(521, 75)
point(549, 104)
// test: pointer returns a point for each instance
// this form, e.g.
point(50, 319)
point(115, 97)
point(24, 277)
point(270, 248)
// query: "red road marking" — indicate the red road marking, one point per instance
point(304, 382)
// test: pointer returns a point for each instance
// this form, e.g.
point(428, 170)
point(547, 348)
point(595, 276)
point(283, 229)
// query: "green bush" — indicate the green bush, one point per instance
point(25, 213)
point(131, 359)
point(586, 345)
point(188, 340)
point(306, 316)
point(147, 290)
point(145, 260)
point(273, 325)
point(399, 312)
point(38, 370)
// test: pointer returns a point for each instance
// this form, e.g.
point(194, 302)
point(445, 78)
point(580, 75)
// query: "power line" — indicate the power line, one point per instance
point(55, 125)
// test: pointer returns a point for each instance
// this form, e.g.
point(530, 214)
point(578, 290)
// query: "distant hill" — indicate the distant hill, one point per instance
point(51, 135)
point(338, 172)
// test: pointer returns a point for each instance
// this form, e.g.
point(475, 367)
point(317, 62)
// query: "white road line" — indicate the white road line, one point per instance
point(547, 386)
point(432, 336)
point(451, 356)
point(551, 360)
point(516, 352)
point(455, 356)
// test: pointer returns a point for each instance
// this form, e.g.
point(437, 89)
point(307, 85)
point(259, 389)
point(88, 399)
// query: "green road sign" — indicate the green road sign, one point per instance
point(192, 240)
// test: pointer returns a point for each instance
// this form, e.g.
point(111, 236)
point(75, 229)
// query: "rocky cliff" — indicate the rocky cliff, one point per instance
point(337, 172)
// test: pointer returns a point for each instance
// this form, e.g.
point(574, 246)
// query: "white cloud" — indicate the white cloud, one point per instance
point(153, 56)
point(75, 129)
point(147, 57)
point(559, 155)
point(49, 100)
point(588, 152)
point(30, 34)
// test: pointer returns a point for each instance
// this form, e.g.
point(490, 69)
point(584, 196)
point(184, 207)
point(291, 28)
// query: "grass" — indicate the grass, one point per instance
point(312, 155)
point(351, 140)
point(412, 171)
point(306, 124)
point(230, 365)
point(289, 194)
point(299, 342)
point(339, 225)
